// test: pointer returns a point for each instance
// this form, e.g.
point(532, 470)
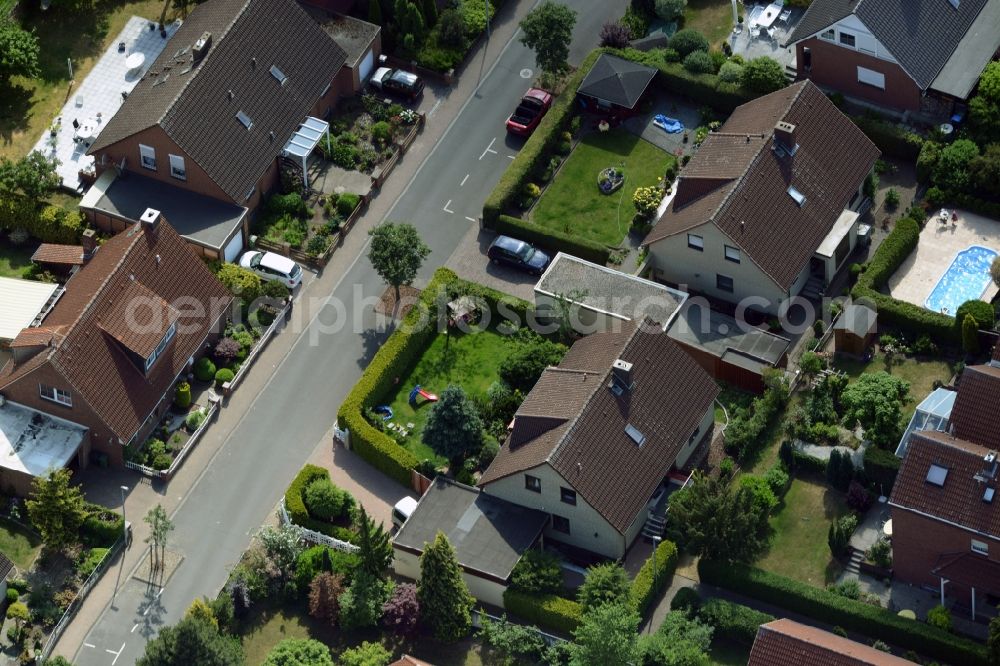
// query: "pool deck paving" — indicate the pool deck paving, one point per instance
point(939, 243)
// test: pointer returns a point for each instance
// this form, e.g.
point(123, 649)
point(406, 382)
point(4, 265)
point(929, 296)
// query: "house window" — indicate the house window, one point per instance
point(732, 254)
point(724, 283)
point(167, 337)
point(936, 475)
point(828, 35)
point(177, 167)
point(532, 483)
point(567, 495)
point(55, 395)
point(696, 242)
point(147, 157)
point(870, 77)
point(560, 524)
point(244, 119)
point(847, 39)
point(980, 547)
point(279, 75)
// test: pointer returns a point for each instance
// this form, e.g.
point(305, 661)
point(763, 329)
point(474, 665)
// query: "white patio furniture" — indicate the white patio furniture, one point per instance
point(769, 15)
point(87, 131)
point(79, 101)
point(785, 15)
point(771, 32)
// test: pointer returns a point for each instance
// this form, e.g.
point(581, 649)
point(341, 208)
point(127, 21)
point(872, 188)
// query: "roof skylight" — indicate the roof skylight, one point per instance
point(936, 475)
point(245, 119)
point(634, 433)
point(278, 74)
point(799, 198)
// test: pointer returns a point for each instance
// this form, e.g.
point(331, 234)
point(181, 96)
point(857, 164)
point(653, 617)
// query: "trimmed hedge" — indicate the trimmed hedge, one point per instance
point(299, 514)
point(733, 621)
point(644, 587)
point(548, 611)
point(834, 609)
point(102, 527)
point(911, 319)
point(881, 468)
point(890, 138)
point(538, 148)
point(49, 224)
point(552, 239)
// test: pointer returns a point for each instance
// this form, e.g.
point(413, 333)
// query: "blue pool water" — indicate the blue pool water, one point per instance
point(966, 279)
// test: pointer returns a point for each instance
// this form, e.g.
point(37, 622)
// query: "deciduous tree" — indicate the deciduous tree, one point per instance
point(454, 429)
point(679, 641)
point(366, 654)
point(18, 51)
point(33, 176)
point(299, 652)
point(401, 613)
point(763, 75)
point(324, 592)
point(443, 595)
point(192, 641)
point(606, 635)
point(56, 508)
point(548, 31)
point(605, 583)
point(396, 253)
point(875, 401)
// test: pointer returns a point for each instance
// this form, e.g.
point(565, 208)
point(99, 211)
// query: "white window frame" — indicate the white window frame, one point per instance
point(696, 242)
point(147, 157)
point(851, 35)
point(56, 395)
point(980, 547)
point(177, 167)
point(535, 487)
point(829, 35)
point(870, 77)
point(733, 254)
point(167, 337)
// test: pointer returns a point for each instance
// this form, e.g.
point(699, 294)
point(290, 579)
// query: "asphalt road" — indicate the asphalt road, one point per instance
point(243, 483)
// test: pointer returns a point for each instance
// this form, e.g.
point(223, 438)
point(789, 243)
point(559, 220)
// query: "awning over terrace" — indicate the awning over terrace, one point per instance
point(305, 140)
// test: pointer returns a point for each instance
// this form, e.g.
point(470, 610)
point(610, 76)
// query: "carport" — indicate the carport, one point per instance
point(305, 140)
point(23, 303)
point(32, 443)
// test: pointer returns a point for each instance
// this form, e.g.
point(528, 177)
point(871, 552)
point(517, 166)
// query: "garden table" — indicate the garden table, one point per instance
point(769, 15)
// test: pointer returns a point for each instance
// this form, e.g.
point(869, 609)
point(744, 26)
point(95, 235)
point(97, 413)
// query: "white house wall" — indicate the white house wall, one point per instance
point(864, 40)
point(707, 423)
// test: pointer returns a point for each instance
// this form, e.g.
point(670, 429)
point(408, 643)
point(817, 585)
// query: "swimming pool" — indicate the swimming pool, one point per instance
point(966, 279)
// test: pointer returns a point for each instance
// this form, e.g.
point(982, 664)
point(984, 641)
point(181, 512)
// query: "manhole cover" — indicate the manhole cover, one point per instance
point(526, 73)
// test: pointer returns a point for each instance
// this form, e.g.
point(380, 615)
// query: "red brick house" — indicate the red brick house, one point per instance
point(908, 56)
point(107, 356)
point(200, 136)
point(946, 519)
point(785, 642)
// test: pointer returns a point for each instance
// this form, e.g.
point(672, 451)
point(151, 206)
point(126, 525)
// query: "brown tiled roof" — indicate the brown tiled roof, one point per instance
point(996, 352)
point(95, 366)
point(573, 421)
point(407, 660)
point(739, 182)
point(971, 569)
point(146, 319)
point(961, 499)
point(38, 336)
point(785, 642)
point(976, 414)
point(50, 253)
point(191, 103)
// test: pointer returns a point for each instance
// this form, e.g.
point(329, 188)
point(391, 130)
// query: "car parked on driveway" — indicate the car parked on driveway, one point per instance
point(397, 82)
point(271, 266)
point(529, 112)
point(520, 255)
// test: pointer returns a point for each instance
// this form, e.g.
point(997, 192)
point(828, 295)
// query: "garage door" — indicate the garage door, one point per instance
point(365, 68)
point(234, 247)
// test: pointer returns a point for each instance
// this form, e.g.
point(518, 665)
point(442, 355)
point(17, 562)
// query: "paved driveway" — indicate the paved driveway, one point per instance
point(470, 262)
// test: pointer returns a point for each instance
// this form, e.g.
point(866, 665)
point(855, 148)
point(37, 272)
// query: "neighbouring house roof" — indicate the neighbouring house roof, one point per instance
point(65, 255)
point(34, 443)
point(407, 660)
point(960, 497)
point(723, 336)
point(6, 566)
point(36, 336)
point(98, 368)
point(859, 320)
point(574, 421)
point(971, 569)
point(785, 642)
point(351, 34)
point(940, 45)
point(196, 103)
point(607, 291)
point(489, 534)
point(21, 301)
point(617, 80)
point(198, 218)
point(740, 180)
point(976, 414)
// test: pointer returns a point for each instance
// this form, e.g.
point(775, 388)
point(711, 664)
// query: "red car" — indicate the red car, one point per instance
point(529, 112)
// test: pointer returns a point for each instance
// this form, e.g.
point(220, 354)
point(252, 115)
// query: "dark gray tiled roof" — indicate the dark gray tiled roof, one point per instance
point(617, 80)
point(489, 534)
point(190, 101)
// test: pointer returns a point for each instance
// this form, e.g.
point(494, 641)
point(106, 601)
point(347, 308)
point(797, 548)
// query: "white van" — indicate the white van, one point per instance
point(402, 511)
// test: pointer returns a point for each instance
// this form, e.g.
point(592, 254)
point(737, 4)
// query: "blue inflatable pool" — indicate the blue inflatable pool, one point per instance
point(668, 125)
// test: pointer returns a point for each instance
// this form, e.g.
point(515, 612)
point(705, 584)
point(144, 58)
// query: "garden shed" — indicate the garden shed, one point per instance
point(854, 333)
point(614, 84)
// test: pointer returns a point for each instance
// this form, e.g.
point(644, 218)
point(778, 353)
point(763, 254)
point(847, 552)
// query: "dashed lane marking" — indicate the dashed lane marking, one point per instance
point(463, 180)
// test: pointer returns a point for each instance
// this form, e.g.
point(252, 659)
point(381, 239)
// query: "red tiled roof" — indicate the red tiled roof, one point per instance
point(145, 321)
point(739, 182)
point(573, 421)
point(50, 253)
point(970, 569)
point(976, 414)
point(960, 500)
point(94, 365)
point(38, 336)
point(785, 642)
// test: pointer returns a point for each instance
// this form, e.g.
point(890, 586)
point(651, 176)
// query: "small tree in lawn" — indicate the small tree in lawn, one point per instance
point(324, 591)
point(299, 652)
point(397, 253)
point(604, 583)
point(607, 635)
point(18, 51)
point(444, 598)
point(56, 508)
point(454, 429)
point(401, 613)
point(548, 31)
point(367, 654)
point(375, 548)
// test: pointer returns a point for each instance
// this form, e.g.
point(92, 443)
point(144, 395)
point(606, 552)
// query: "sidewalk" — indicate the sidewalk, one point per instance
point(442, 106)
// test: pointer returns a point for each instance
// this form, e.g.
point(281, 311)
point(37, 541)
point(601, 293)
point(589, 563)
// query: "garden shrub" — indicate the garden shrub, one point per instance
point(537, 572)
point(344, 155)
point(325, 500)
point(688, 41)
point(763, 75)
point(194, 420)
point(686, 599)
point(299, 513)
point(381, 132)
point(101, 527)
point(346, 204)
point(699, 62)
point(981, 311)
point(839, 535)
point(891, 139)
point(319, 559)
point(858, 498)
point(522, 367)
point(223, 375)
point(831, 608)
point(744, 434)
point(646, 586)
point(605, 583)
point(881, 468)
point(182, 396)
point(161, 461)
point(730, 72)
point(227, 350)
point(87, 563)
point(733, 621)
point(778, 480)
point(552, 239)
point(291, 204)
point(204, 369)
point(49, 224)
point(12, 595)
point(548, 611)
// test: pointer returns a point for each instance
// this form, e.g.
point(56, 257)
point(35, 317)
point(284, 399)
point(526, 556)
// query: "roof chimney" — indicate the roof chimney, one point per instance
point(784, 134)
point(89, 242)
point(622, 376)
point(202, 46)
point(150, 219)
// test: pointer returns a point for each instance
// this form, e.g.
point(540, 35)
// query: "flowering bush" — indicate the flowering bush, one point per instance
point(401, 612)
point(646, 200)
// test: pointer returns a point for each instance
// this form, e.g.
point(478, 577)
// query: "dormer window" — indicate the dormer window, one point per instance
point(167, 337)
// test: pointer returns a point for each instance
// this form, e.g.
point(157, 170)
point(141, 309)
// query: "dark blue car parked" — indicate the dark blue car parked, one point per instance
point(521, 255)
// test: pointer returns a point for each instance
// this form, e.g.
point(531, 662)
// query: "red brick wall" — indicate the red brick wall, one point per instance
point(918, 541)
point(837, 67)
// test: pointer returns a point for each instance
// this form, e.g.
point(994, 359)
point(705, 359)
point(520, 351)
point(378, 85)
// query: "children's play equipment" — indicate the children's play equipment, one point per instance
point(429, 397)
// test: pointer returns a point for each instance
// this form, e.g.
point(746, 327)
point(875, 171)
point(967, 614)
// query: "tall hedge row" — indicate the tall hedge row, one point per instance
point(552, 239)
point(646, 586)
point(890, 138)
point(49, 224)
point(907, 317)
point(548, 611)
point(296, 507)
point(835, 609)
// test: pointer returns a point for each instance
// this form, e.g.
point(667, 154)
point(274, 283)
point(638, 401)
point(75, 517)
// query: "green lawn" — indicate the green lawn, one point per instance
point(18, 544)
point(271, 626)
point(13, 260)
point(727, 653)
point(712, 18)
point(799, 548)
point(468, 360)
point(573, 204)
point(920, 373)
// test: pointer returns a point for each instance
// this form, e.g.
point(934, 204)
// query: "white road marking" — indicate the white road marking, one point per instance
point(134, 627)
point(90, 645)
point(470, 219)
point(117, 654)
point(445, 209)
point(489, 149)
point(434, 108)
point(463, 180)
point(510, 157)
